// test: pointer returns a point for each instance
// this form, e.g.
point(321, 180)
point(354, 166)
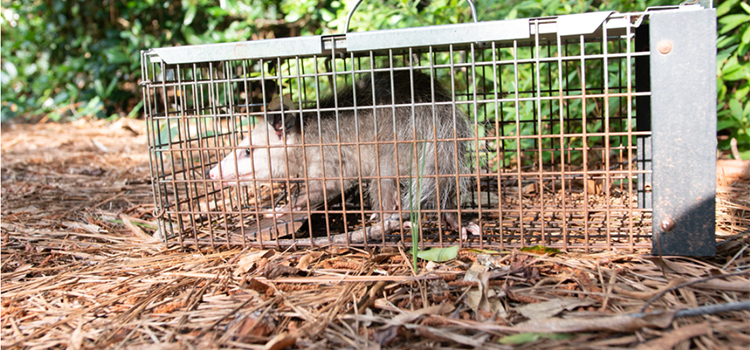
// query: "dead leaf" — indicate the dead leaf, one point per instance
point(247, 261)
point(19, 272)
point(676, 266)
point(137, 232)
point(384, 336)
point(254, 327)
point(90, 228)
point(384, 304)
point(408, 316)
point(676, 336)
point(550, 308)
point(494, 261)
point(257, 286)
point(735, 286)
point(304, 262)
point(484, 298)
point(281, 341)
point(338, 250)
point(525, 299)
point(648, 295)
point(100, 145)
point(159, 346)
point(76, 339)
point(442, 334)
point(274, 271)
point(620, 323)
point(472, 275)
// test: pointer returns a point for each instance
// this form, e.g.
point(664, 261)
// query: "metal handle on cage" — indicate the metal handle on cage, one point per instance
point(351, 12)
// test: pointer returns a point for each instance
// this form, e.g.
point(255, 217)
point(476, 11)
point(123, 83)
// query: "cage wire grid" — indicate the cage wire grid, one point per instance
point(554, 159)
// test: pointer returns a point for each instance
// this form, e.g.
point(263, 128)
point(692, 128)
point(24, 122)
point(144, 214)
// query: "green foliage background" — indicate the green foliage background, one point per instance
point(66, 59)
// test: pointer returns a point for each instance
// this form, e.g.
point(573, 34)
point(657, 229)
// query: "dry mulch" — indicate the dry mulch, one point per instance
point(80, 270)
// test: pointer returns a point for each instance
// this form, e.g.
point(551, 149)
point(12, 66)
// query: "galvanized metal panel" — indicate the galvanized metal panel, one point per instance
point(584, 23)
point(270, 48)
point(438, 35)
point(683, 117)
point(587, 24)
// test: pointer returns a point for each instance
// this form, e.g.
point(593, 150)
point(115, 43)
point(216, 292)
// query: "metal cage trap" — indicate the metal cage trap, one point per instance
point(581, 132)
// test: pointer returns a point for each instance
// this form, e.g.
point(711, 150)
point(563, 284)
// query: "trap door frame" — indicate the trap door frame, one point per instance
point(682, 115)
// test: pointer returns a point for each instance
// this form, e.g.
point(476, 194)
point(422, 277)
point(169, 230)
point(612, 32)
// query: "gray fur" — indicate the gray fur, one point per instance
point(427, 122)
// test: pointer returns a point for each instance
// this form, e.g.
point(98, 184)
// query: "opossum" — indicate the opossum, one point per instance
point(407, 104)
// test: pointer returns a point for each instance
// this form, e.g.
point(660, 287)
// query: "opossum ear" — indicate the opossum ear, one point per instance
point(288, 122)
point(289, 119)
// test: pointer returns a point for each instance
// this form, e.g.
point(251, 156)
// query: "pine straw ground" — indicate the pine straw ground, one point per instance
point(81, 271)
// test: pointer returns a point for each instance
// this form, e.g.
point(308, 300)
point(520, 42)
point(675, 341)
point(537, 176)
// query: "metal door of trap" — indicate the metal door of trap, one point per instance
point(585, 132)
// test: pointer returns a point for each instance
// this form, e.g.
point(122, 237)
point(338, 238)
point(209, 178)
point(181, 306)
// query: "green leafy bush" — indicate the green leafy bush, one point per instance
point(733, 73)
point(72, 58)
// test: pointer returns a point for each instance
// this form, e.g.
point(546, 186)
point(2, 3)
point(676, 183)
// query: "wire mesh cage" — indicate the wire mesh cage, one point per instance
point(574, 132)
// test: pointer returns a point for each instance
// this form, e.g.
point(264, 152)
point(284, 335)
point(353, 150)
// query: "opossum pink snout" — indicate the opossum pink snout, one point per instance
point(226, 168)
point(214, 173)
point(245, 165)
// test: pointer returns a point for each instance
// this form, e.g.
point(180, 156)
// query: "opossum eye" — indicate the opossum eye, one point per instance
point(247, 152)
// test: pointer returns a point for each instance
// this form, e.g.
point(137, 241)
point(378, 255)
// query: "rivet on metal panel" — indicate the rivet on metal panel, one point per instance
point(667, 225)
point(647, 188)
point(664, 46)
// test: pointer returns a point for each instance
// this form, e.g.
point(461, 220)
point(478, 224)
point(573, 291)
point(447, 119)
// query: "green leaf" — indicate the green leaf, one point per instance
point(93, 107)
point(293, 17)
point(513, 14)
point(541, 250)
point(745, 7)
point(731, 65)
point(111, 87)
point(54, 116)
point(726, 124)
point(136, 109)
point(190, 14)
point(732, 21)
point(10, 69)
point(742, 92)
point(115, 56)
point(29, 69)
point(483, 251)
point(725, 7)
point(736, 109)
point(99, 87)
point(726, 53)
point(523, 338)
point(439, 254)
point(166, 135)
point(742, 72)
point(326, 15)
point(62, 96)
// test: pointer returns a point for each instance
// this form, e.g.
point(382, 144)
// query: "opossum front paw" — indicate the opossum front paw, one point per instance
point(470, 227)
point(281, 211)
point(407, 225)
point(273, 215)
